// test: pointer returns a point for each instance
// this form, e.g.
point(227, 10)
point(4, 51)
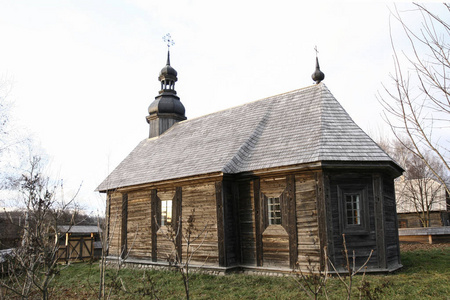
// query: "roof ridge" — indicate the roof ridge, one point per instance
point(245, 150)
point(321, 123)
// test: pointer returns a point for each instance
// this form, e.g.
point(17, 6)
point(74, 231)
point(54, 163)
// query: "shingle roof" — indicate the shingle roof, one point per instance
point(79, 228)
point(301, 126)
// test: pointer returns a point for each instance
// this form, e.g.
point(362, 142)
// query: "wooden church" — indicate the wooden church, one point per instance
point(271, 184)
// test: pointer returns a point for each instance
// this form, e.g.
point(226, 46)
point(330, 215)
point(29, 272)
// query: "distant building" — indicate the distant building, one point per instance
point(79, 242)
point(422, 203)
point(274, 182)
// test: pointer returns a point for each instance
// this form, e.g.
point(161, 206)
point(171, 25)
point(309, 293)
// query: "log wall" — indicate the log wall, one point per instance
point(229, 221)
point(165, 248)
point(307, 220)
point(275, 238)
point(115, 223)
point(286, 244)
point(139, 224)
point(391, 223)
point(360, 242)
point(199, 205)
point(246, 208)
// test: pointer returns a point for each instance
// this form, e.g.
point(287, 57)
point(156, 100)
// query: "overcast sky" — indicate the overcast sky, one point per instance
point(84, 72)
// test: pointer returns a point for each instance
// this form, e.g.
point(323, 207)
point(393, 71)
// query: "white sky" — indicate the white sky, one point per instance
point(85, 72)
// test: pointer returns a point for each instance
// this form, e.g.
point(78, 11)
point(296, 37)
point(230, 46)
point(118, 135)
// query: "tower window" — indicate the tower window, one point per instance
point(274, 210)
point(166, 212)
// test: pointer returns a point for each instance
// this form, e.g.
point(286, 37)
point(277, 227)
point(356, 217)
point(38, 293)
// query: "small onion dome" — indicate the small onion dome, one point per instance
point(168, 71)
point(318, 75)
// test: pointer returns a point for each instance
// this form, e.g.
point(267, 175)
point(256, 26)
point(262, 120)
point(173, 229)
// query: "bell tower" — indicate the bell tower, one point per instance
point(166, 109)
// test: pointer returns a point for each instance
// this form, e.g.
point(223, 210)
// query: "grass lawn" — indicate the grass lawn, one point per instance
point(426, 275)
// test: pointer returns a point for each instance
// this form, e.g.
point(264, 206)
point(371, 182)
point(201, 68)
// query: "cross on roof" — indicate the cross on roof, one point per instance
point(168, 39)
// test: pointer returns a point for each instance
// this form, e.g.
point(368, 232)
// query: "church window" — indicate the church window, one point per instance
point(352, 202)
point(353, 208)
point(274, 210)
point(166, 212)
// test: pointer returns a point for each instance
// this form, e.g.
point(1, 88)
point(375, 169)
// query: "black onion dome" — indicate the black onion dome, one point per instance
point(170, 105)
point(318, 75)
point(168, 71)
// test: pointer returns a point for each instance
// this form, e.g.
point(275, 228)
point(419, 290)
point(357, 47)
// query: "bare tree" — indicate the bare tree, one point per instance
point(33, 265)
point(313, 282)
point(418, 104)
point(193, 239)
point(351, 270)
point(5, 107)
point(418, 191)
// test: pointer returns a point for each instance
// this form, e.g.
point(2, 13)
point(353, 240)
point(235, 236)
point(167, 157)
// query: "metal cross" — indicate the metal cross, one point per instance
point(168, 39)
point(315, 49)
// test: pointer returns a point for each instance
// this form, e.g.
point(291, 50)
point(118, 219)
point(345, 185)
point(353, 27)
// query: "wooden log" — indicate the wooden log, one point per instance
point(154, 225)
point(379, 221)
point(292, 220)
point(259, 223)
point(220, 223)
point(123, 232)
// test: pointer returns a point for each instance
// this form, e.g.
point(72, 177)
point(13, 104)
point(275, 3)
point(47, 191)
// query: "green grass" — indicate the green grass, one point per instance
point(426, 275)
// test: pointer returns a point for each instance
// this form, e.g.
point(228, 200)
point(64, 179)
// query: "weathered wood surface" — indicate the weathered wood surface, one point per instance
point(273, 186)
point(236, 220)
point(322, 216)
point(78, 248)
point(164, 245)
point(275, 241)
point(231, 223)
point(307, 220)
point(177, 215)
point(361, 243)
point(291, 226)
point(246, 207)
point(379, 218)
point(220, 211)
point(124, 227)
point(199, 203)
point(115, 223)
point(139, 224)
point(259, 212)
point(166, 248)
point(391, 222)
point(154, 224)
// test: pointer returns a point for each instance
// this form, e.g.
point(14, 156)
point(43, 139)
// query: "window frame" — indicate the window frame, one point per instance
point(275, 219)
point(360, 190)
point(352, 208)
point(163, 212)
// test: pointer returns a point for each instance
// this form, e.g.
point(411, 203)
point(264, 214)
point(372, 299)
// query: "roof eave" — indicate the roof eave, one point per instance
point(390, 166)
point(165, 183)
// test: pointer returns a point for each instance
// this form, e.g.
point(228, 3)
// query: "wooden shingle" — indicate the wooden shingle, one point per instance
point(302, 126)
